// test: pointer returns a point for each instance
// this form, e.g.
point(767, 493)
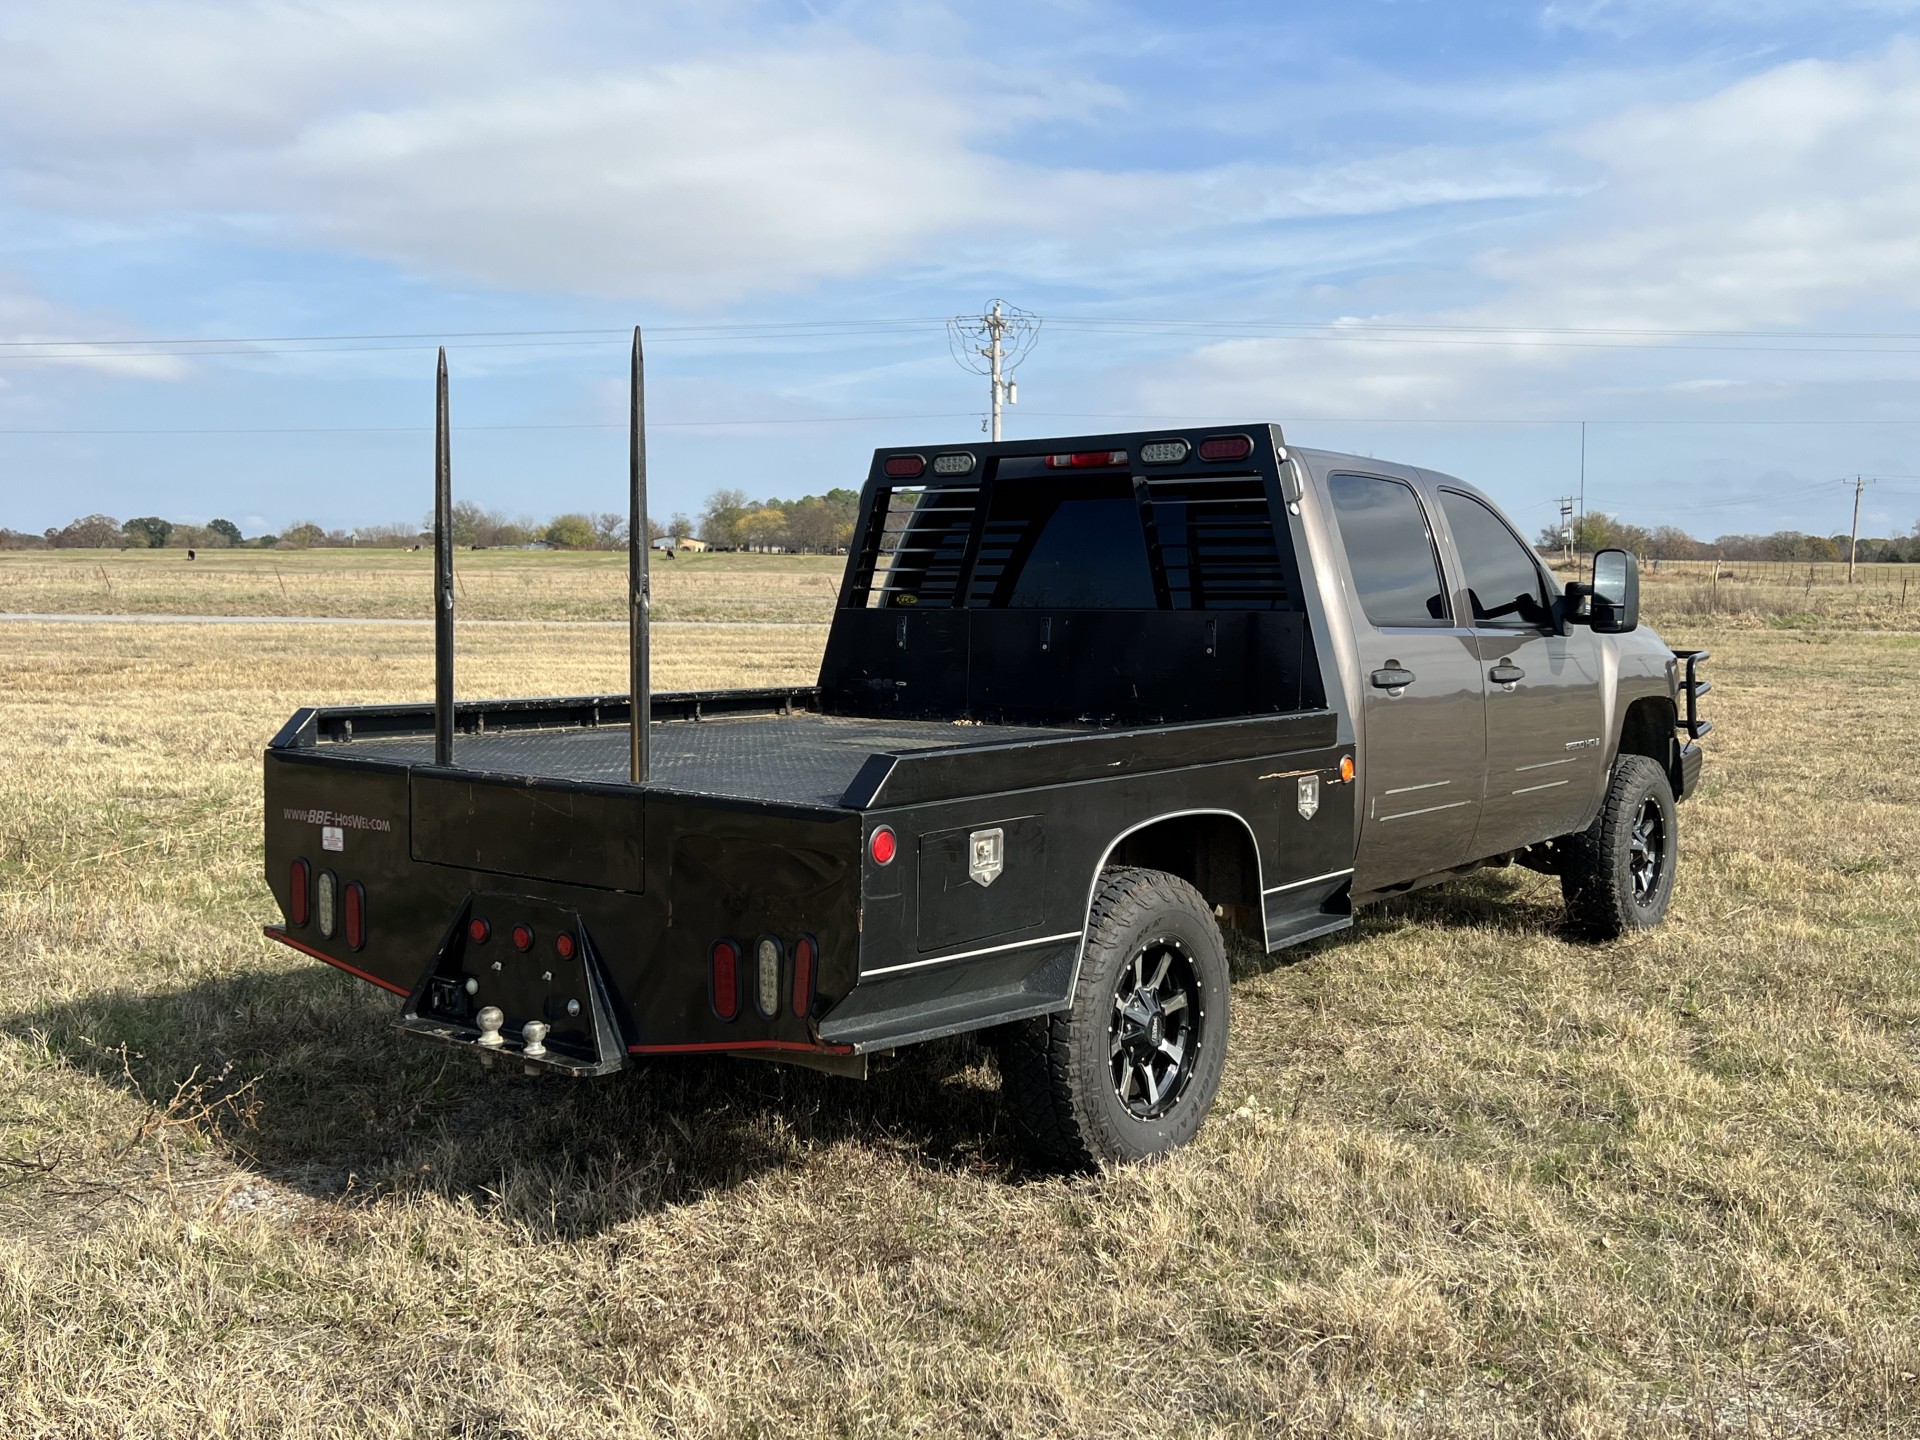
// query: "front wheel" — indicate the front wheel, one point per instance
point(1131, 1069)
point(1617, 874)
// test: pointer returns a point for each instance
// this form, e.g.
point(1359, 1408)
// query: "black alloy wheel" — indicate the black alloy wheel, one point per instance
point(1129, 1070)
point(1618, 873)
point(1647, 851)
point(1156, 1029)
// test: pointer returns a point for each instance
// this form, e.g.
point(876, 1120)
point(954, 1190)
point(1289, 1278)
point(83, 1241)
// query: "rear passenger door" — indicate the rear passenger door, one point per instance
point(1422, 752)
point(1544, 714)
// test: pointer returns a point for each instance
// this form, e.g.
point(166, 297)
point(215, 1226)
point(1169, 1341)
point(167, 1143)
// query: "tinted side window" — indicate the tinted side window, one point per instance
point(1389, 550)
point(1502, 579)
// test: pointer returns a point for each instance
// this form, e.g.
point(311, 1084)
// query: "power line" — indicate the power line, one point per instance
point(1132, 416)
point(930, 321)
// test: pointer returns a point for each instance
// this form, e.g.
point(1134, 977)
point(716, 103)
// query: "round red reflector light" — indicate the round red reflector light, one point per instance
point(883, 847)
point(904, 467)
point(805, 953)
point(563, 946)
point(478, 930)
point(1226, 447)
point(299, 893)
point(523, 937)
point(726, 979)
point(356, 920)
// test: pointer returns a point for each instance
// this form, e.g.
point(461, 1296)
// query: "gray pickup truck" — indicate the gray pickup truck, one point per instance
point(1084, 703)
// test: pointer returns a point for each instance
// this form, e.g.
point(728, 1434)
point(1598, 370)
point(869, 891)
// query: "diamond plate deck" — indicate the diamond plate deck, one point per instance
point(799, 759)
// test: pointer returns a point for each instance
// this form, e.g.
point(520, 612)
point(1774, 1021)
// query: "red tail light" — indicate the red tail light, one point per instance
point(904, 467)
point(563, 946)
point(299, 893)
point(478, 930)
point(805, 953)
point(523, 938)
point(726, 979)
point(1086, 459)
point(356, 920)
point(1226, 447)
point(883, 847)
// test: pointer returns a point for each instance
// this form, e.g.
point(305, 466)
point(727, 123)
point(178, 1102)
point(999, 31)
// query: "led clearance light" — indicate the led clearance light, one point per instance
point(883, 846)
point(726, 979)
point(523, 938)
point(904, 467)
point(1226, 447)
point(766, 957)
point(1163, 452)
point(325, 893)
point(478, 930)
point(1346, 767)
point(805, 953)
point(959, 463)
point(1086, 459)
point(299, 896)
point(356, 915)
point(563, 946)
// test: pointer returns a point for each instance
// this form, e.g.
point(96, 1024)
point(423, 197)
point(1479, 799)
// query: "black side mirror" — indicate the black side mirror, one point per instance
point(1616, 592)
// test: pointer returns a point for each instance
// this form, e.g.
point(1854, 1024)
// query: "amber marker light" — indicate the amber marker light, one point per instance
point(1346, 767)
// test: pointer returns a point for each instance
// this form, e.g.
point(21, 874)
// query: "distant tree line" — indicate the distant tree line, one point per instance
point(1598, 530)
point(817, 524)
point(729, 521)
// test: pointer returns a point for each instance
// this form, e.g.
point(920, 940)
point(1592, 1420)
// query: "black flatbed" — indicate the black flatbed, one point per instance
point(804, 759)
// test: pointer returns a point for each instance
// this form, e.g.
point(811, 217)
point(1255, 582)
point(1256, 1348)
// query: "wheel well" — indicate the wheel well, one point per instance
point(1647, 729)
point(1212, 852)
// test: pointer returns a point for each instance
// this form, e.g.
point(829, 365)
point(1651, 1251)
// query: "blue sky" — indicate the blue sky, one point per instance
point(1441, 233)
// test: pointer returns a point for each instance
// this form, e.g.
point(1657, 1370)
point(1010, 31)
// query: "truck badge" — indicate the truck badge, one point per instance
point(986, 851)
point(1309, 796)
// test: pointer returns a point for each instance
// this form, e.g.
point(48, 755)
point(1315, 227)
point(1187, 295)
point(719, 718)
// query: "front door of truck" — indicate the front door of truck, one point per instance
point(1544, 712)
point(1422, 720)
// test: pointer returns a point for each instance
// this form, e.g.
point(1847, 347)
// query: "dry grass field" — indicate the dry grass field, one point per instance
point(592, 585)
point(396, 584)
point(1467, 1177)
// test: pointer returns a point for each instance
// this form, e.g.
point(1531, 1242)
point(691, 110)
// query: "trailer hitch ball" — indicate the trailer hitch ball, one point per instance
point(534, 1032)
point(490, 1020)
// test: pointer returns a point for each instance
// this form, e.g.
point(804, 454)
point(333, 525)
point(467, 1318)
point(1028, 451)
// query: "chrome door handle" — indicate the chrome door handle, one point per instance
point(1506, 673)
point(1391, 677)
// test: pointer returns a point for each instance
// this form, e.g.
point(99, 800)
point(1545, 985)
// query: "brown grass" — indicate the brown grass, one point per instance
point(396, 584)
point(1467, 1177)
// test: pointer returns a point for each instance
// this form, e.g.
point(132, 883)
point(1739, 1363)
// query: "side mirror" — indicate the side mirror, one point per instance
point(1616, 592)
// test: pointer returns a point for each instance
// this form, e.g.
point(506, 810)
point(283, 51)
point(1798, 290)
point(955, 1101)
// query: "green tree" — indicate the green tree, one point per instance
point(720, 521)
point(571, 532)
point(763, 528)
point(303, 535)
point(147, 532)
point(89, 532)
point(228, 529)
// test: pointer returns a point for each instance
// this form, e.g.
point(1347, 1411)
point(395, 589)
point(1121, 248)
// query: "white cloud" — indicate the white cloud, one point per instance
point(690, 176)
point(28, 321)
point(1780, 201)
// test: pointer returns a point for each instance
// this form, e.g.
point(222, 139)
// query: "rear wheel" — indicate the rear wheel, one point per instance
point(1617, 874)
point(1131, 1069)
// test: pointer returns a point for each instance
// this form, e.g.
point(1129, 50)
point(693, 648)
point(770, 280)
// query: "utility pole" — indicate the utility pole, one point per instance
point(992, 344)
point(1859, 484)
point(1583, 470)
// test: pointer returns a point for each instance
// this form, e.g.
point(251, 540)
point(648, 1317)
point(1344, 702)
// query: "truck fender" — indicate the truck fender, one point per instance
point(1093, 881)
